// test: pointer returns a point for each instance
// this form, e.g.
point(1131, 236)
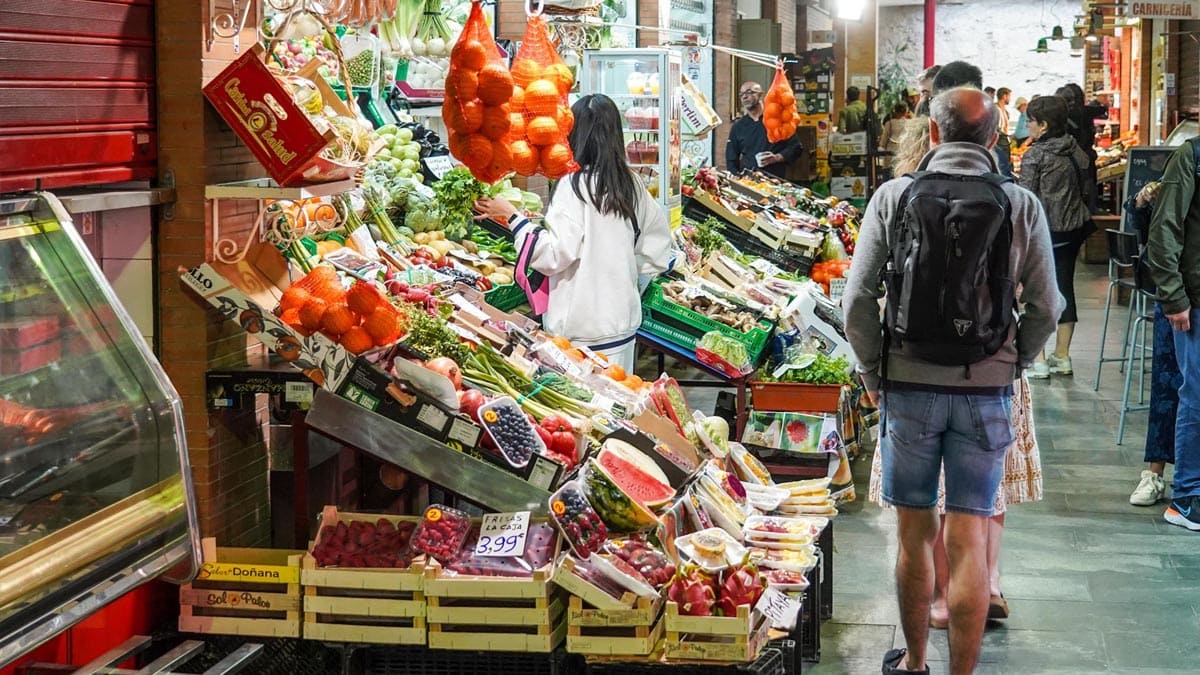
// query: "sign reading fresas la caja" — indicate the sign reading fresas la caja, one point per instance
point(1175, 9)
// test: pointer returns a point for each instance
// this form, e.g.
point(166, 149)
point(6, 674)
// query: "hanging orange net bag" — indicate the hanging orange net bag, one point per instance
point(476, 110)
point(779, 109)
point(541, 118)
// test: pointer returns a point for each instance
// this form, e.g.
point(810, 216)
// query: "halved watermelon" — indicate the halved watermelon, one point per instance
point(636, 474)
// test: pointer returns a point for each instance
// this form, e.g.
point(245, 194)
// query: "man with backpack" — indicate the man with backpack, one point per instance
point(948, 246)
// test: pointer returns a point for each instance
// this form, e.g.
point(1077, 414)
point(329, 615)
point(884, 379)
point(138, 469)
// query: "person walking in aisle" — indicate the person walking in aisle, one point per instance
point(1081, 118)
point(1021, 132)
point(1055, 169)
point(1174, 251)
point(603, 232)
point(893, 129)
point(935, 415)
point(748, 138)
point(1004, 145)
point(853, 117)
point(1164, 374)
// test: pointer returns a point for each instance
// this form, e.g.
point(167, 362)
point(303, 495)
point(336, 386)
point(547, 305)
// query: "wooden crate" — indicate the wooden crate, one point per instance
point(363, 605)
point(494, 613)
point(243, 591)
point(602, 632)
point(715, 638)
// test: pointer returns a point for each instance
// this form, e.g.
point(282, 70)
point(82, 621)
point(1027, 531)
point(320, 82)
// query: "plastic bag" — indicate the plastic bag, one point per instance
point(722, 352)
point(779, 109)
point(542, 117)
point(476, 109)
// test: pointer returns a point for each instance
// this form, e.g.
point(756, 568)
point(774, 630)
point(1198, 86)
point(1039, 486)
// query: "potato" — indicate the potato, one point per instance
point(485, 267)
point(437, 255)
point(498, 279)
point(421, 238)
point(441, 245)
point(437, 235)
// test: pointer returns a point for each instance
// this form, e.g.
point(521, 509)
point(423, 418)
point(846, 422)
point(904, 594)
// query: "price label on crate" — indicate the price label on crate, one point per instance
point(837, 288)
point(779, 609)
point(502, 535)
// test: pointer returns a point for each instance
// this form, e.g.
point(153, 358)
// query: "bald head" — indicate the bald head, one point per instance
point(963, 115)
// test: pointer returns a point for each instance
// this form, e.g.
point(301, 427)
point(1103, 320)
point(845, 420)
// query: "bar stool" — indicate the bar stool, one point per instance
point(1143, 300)
point(1122, 255)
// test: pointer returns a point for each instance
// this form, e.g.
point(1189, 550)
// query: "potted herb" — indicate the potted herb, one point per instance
point(804, 381)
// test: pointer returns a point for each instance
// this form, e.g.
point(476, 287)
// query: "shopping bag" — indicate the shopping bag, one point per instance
point(534, 283)
point(541, 119)
point(779, 109)
point(476, 108)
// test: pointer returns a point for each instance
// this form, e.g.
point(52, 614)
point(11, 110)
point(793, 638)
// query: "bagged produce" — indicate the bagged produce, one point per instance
point(541, 116)
point(779, 109)
point(476, 109)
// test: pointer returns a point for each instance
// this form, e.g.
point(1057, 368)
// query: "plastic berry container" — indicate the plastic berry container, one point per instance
point(441, 533)
point(512, 432)
point(575, 518)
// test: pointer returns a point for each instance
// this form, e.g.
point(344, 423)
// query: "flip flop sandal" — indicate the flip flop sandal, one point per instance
point(997, 607)
point(892, 661)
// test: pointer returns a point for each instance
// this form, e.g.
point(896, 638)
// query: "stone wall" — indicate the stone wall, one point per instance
point(996, 35)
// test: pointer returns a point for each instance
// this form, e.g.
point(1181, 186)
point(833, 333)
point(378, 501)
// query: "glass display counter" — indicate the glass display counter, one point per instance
point(96, 494)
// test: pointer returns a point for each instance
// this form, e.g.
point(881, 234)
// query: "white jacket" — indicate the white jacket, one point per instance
point(593, 263)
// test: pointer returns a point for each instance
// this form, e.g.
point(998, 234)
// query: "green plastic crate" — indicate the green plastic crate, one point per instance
point(505, 298)
point(684, 327)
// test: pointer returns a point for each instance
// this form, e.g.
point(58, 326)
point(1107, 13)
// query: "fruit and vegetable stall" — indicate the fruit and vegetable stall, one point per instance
point(566, 503)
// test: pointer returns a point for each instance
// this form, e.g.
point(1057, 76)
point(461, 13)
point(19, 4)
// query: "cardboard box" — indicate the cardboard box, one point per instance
point(371, 387)
point(247, 292)
point(261, 111)
point(849, 144)
point(698, 115)
point(17, 361)
point(793, 432)
point(27, 332)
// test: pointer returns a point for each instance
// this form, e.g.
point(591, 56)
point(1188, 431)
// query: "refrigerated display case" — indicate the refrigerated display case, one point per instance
point(644, 84)
point(96, 495)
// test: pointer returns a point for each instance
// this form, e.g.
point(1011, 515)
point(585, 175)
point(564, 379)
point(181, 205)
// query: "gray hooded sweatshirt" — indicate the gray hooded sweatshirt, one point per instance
point(1031, 261)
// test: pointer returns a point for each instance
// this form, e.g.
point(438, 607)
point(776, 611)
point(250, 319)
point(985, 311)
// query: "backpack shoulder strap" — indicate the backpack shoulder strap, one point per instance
point(1195, 142)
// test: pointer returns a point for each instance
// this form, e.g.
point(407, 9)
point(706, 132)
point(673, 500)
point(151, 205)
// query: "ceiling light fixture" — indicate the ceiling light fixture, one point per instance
point(850, 10)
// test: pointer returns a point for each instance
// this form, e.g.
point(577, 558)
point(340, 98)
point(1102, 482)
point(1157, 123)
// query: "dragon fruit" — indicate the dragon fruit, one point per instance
point(694, 591)
point(741, 586)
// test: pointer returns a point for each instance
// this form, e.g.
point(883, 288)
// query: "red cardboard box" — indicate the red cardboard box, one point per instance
point(262, 113)
point(26, 332)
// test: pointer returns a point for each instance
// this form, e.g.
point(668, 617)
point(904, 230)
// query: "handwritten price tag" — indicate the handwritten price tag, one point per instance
point(440, 165)
point(779, 609)
point(502, 535)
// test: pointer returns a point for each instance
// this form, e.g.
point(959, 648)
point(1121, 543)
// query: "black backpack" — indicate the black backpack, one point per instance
point(950, 300)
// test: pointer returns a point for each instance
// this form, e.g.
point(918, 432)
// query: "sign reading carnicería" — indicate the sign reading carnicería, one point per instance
point(1176, 9)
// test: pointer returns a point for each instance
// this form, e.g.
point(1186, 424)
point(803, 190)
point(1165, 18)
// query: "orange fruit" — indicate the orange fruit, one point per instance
point(363, 298)
point(565, 119)
point(615, 372)
point(517, 102)
point(556, 159)
point(462, 84)
point(383, 325)
point(634, 382)
point(495, 122)
point(338, 319)
point(771, 110)
point(525, 158)
point(470, 54)
point(495, 84)
point(479, 152)
point(541, 97)
point(356, 340)
point(516, 124)
point(542, 131)
point(312, 312)
point(576, 354)
point(501, 163)
point(472, 117)
point(561, 76)
point(458, 145)
point(561, 342)
point(293, 298)
point(291, 317)
point(786, 97)
point(321, 275)
point(525, 71)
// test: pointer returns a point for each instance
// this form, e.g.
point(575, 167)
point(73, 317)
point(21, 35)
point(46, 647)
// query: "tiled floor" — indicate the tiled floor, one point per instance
point(1094, 585)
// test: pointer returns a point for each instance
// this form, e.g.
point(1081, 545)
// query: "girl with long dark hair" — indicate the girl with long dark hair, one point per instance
point(603, 231)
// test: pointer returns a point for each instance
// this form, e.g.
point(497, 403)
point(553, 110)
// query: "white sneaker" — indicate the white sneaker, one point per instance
point(1040, 370)
point(1059, 366)
point(1149, 491)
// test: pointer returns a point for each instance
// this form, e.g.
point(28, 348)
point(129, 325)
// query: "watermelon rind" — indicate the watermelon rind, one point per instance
point(619, 511)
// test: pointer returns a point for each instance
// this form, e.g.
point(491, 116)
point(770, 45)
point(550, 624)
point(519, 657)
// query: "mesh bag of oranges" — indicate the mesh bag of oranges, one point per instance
point(359, 319)
point(476, 108)
point(541, 117)
point(779, 109)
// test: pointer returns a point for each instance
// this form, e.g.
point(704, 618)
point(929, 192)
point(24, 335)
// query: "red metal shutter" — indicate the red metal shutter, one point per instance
point(76, 92)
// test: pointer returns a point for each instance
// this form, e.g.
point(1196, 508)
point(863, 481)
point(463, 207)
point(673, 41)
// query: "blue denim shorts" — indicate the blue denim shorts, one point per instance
point(967, 434)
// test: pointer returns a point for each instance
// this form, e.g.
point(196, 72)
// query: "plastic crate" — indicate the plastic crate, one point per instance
point(771, 661)
point(505, 298)
point(684, 327)
point(785, 259)
point(423, 661)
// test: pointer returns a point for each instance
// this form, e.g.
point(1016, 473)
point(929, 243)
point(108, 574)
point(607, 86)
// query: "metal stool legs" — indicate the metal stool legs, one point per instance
point(1108, 303)
point(1132, 346)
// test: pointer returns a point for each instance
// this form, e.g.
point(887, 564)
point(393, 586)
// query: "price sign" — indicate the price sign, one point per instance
point(439, 165)
point(502, 535)
point(298, 392)
point(779, 609)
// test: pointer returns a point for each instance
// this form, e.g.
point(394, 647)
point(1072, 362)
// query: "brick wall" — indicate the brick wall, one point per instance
point(783, 12)
point(196, 148)
point(724, 22)
point(854, 51)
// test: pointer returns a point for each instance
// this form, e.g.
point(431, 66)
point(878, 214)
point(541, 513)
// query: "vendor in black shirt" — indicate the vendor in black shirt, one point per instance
point(748, 137)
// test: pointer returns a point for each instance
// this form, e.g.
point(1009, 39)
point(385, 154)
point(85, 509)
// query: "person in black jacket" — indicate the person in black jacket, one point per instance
point(1082, 117)
point(748, 138)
